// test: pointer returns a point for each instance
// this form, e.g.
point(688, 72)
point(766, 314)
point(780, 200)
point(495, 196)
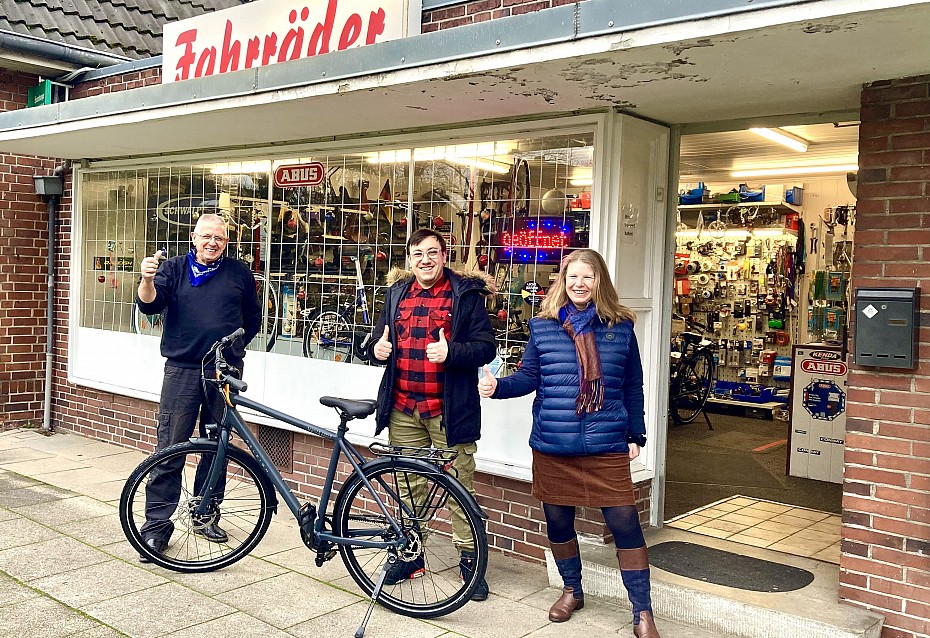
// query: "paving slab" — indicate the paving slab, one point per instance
point(64, 511)
point(42, 617)
point(96, 583)
point(46, 558)
point(342, 623)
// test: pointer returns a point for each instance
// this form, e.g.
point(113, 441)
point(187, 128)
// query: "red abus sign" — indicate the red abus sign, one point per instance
point(836, 368)
point(309, 174)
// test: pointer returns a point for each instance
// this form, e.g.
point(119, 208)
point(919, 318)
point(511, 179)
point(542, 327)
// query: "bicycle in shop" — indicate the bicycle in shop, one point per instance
point(333, 334)
point(692, 374)
point(396, 506)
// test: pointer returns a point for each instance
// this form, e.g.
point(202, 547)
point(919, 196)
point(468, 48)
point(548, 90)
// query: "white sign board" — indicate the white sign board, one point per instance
point(272, 31)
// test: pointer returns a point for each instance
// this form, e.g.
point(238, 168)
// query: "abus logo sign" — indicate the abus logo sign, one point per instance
point(309, 174)
point(824, 354)
point(836, 368)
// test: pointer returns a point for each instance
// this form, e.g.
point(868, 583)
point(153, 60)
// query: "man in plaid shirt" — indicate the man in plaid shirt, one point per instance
point(435, 334)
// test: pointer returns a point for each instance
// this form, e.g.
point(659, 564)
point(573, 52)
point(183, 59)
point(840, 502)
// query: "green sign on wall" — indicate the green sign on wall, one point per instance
point(40, 94)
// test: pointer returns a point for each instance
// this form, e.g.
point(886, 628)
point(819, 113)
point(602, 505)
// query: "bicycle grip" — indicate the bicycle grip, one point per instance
point(237, 384)
point(229, 339)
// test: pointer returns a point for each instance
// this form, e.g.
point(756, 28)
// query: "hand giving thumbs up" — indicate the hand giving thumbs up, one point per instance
point(383, 348)
point(487, 384)
point(437, 351)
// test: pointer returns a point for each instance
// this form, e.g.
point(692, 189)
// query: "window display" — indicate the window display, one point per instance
point(320, 232)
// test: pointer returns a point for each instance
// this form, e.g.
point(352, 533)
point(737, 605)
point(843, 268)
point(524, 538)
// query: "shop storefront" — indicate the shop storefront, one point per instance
point(518, 139)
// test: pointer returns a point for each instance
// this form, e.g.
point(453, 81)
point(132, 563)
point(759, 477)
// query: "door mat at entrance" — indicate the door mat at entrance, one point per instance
point(726, 568)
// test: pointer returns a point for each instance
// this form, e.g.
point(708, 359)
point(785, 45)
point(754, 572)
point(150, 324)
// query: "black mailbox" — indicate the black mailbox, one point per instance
point(887, 320)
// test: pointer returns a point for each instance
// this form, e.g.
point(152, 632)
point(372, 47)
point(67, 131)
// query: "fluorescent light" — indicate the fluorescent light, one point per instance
point(796, 170)
point(782, 137)
point(242, 168)
point(487, 165)
point(581, 181)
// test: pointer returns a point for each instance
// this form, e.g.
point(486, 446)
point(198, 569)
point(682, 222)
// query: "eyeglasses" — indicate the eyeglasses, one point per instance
point(418, 255)
point(208, 237)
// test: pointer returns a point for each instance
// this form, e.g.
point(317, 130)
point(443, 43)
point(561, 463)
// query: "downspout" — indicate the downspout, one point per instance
point(54, 201)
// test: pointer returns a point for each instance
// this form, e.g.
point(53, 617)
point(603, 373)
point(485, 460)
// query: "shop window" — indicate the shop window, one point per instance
point(322, 232)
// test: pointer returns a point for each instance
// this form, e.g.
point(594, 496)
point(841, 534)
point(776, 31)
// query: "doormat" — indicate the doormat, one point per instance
point(726, 568)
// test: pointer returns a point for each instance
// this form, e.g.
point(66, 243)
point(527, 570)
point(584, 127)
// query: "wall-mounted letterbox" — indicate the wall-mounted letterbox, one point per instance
point(887, 320)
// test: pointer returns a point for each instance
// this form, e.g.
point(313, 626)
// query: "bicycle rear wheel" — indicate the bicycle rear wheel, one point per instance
point(268, 332)
point(423, 500)
point(243, 509)
point(691, 388)
point(328, 336)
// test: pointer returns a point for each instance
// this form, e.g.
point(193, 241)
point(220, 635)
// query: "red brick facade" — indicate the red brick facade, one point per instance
point(886, 503)
point(23, 273)
point(482, 11)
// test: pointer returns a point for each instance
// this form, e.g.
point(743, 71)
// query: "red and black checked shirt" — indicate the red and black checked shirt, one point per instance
point(420, 314)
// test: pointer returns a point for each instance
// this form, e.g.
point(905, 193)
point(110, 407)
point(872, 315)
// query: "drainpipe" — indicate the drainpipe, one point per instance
point(50, 187)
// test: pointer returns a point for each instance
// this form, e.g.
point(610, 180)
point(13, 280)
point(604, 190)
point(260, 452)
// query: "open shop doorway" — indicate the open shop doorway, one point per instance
point(763, 256)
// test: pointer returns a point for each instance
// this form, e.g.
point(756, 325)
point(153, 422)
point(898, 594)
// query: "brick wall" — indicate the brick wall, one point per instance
point(482, 11)
point(886, 502)
point(23, 279)
point(116, 83)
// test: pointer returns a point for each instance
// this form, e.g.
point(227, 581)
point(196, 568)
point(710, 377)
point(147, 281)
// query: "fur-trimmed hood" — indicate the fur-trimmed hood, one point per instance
point(478, 277)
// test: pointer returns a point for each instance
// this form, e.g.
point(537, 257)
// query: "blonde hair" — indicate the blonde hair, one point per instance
point(604, 295)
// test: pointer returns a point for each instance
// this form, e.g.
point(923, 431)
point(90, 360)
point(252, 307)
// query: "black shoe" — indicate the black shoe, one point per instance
point(401, 571)
point(157, 545)
point(466, 565)
point(212, 532)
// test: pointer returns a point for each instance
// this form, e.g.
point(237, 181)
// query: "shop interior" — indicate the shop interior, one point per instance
point(764, 244)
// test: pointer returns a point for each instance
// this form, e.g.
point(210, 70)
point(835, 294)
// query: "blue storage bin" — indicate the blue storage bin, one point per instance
point(794, 195)
point(748, 195)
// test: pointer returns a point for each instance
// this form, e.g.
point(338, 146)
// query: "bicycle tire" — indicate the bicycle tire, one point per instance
point(245, 510)
point(691, 387)
point(520, 188)
point(328, 336)
point(144, 324)
point(268, 333)
point(441, 589)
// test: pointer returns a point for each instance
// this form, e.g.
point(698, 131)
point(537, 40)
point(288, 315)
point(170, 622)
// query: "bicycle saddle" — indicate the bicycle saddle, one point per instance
point(692, 337)
point(355, 409)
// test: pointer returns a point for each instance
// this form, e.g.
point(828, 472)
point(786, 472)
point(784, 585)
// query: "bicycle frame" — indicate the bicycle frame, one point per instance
point(359, 301)
point(341, 448)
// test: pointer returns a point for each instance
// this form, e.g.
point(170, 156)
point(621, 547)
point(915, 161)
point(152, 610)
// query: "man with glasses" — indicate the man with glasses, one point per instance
point(204, 297)
point(433, 335)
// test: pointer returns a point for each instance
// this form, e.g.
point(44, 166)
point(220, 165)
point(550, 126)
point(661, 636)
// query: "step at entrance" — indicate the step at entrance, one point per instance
point(811, 610)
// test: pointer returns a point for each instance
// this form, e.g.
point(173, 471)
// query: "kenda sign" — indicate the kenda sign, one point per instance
point(272, 31)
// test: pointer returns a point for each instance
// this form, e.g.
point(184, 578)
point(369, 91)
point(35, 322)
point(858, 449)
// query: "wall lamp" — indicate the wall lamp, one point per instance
point(48, 185)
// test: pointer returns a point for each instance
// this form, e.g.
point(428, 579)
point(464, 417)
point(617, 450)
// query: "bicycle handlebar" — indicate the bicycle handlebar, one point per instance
point(221, 366)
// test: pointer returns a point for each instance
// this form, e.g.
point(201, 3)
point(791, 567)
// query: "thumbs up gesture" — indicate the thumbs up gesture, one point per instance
point(437, 351)
point(487, 384)
point(383, 347)
point(149, 265)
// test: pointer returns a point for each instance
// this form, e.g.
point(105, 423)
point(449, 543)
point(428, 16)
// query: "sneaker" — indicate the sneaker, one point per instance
point(466, 565)
point(401, 571)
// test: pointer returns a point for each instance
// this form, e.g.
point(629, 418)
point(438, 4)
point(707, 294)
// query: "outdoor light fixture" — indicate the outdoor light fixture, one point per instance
point(796, 170)
point(784, 138)
point(48, 185)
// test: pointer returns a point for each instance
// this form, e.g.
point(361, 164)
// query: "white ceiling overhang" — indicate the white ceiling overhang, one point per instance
point(800, 58)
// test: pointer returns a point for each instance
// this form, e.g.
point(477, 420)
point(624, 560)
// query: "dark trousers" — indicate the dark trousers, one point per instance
point(178, 412)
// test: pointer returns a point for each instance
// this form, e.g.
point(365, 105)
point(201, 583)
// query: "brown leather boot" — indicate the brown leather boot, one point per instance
point(566, 605)
point(646, 627)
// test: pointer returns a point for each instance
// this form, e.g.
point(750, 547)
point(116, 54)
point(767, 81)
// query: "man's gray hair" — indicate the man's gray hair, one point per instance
point(211, 219)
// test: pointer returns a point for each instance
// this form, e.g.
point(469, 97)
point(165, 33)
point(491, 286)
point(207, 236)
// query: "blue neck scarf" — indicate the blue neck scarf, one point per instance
point(200, 274)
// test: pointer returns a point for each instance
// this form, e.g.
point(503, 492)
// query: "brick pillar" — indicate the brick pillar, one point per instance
point(885, 564)
point(23, 246)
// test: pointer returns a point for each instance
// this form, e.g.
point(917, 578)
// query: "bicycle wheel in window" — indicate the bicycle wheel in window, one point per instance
point(166, 481)
point(691, 387)
point(424, 501)
point(520, 188)
point(144, 324)
point(268, 333)
point(328, 336)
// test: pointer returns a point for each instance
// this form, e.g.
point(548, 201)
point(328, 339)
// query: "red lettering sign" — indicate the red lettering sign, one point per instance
point(834, 368)
point(534, 239)
point(309, 174)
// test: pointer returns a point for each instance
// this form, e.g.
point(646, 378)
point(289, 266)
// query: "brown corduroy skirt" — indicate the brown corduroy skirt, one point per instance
point(601, 480)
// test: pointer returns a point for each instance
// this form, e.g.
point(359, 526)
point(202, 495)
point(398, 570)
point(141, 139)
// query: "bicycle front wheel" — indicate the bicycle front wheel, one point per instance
point(427, 504)
point(328, 336)
point(160, 496)
point(691, 387)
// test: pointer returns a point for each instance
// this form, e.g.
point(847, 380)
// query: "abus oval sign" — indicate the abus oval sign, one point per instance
point(310, 174)
point(836, 368)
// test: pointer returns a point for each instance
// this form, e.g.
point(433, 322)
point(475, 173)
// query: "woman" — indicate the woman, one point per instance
point(583, 362)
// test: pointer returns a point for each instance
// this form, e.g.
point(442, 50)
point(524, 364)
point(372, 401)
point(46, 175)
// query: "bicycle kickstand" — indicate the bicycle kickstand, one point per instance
point(710, 426)
point(375, 593)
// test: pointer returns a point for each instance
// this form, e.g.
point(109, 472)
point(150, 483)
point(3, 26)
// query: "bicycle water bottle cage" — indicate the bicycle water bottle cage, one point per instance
point(440, 457)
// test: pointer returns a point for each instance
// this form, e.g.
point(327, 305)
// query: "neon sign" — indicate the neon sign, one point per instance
point(536, 239)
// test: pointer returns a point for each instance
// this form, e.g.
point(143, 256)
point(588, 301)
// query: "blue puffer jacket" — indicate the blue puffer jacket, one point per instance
point(550, 367)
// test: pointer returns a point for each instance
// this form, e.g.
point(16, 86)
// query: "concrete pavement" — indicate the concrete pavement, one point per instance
point(66, 570)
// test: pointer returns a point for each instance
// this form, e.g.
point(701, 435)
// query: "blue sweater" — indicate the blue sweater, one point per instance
point(550, 368)
point(195, 318)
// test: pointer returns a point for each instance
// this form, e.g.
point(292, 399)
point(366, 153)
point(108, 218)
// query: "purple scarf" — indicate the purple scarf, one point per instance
point(579, 324)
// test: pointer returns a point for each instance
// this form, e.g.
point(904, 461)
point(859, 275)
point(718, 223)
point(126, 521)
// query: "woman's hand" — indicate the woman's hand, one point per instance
point(634, 450)
point(487, 384)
